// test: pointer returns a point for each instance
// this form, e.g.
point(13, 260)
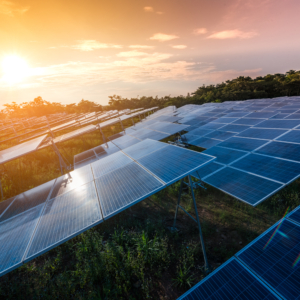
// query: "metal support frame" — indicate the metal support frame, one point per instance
point(133, 124)
point(140, 117)
point(191, 185)
point(103, 136)
point(122, 125)
point(61, 161)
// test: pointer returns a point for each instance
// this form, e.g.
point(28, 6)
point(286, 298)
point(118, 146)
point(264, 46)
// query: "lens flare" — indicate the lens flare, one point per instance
point(15, 69)
point(296, 261)
point(277, 229)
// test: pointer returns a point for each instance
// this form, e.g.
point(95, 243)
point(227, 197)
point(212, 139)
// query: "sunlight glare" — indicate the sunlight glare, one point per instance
point(15, 69)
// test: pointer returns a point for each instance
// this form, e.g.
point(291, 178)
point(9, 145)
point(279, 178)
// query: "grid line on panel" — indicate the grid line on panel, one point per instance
point(279, 124)
point(259, 133)
point(292, 136)
point(244, 144)
point(204, 142)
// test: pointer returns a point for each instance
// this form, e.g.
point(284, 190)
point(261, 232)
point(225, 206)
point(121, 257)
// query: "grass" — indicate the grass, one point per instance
point(134, 255)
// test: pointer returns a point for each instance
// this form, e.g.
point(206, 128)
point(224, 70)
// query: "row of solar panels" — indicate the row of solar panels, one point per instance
point(268, 268)
point(46, 216)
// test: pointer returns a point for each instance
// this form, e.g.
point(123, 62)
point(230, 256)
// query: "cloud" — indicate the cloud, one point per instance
point(10, 9)
point(220, 76)
point(163, 37)
point(232, 34)
point(90, 45)
point(148, 9)
point(133, 53)
point(141, 47)
point(198, 31)
point(159, 12)
point(179, 46)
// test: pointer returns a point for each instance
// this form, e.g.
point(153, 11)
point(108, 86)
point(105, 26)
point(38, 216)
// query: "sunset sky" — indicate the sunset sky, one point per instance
point(68, 50)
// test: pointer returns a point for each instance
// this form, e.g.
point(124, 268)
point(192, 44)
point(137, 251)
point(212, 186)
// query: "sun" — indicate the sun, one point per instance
point(15, 69)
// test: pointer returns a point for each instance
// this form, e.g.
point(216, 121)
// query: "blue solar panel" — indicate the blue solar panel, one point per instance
point(188, 138)
point(124, 187)
point(295, 215)
point(143, 148)
point(292, 136)
point(262, 115)
point(190, 128)
point(206, 143)
point(65, 217)
point(244, 144)
point(220, 135)
point(282, 150)
point(225, 120)
point(171, 163)
point(230, 281)
point(151, 134)
point(284, 124)
point(234, 128)
point(140, 133)
point(246, 187)
point(259, 133)
point(207, 170)
point(5, 204)
point(169, 128)
point(272, 256)
point(200, 131)
point(237, 114)
point(125, 141)
point(15, 234)
point(293, 116)
point(280, 116)
point(225, 155)
point(273, 168)
point(110, 163)
point(212, 126)
point(246, 121)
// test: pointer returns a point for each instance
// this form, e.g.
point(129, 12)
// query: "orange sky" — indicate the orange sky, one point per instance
point(92, 49)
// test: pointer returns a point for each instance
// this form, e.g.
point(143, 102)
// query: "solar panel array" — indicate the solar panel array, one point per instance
point(48, 215)
point(256, 142)
point(267, 268)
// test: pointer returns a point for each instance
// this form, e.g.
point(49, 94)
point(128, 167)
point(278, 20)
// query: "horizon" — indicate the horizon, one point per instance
point(65, 52)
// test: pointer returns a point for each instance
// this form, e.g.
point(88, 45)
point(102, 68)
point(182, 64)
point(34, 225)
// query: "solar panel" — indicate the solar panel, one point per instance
point(154, 135)
point(171, 163)
point(284, 124)
point(237, 114)
point(200, 131)
point(272, 256)
point(258, 133)
point(244, 186)
point(234, 128)
point(269, 167)
point(262, 115)
point(65, 217)
point(28, 200)
point(292, 136)
point(295, 215)
point(280, 116)
point(143, 148)
point(5, 204)
point(89, 154)
point(125, 141)
point(166, 127)
point(246, 121)
point(207, 170)
point(230, 281)
point(212, 126)
point(188, 138)
point(220, 135)
point(244, 144)
point(15, 234)
point(134, 185)
point(282, 150)
point(225, 120)
point(204, 142)
point(110, 163)
point(224, 155)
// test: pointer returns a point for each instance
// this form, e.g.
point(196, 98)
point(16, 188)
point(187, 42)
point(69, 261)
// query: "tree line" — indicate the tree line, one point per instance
point(240, 88)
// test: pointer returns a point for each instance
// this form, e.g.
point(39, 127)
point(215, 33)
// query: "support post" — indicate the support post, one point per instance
point(103, 136)
point(178, 202)
point(140, 117)
point(133, 124)
point(61, 161)
point(207, 267)
point(121, 124)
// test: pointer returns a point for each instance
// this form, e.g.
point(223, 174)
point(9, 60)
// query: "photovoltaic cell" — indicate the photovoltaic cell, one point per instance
point(258, 133)
point(224, 155)
point(262, 115)
point(280, 116)
point(282, 150)
point(206, 143)
point(124, 143)
point(273, 168)
point(89, 154)
point(200, 131)
point(295, 116)
point(171, 163)
point(292, 136)
point(212, 126)
point(220, 135)
point(166, 127)
point(28, 200)
point(143, 148)
point(244, 144)
point(65, 217)
point(110, 163)
point(246, 187)
point(4, 204)
point(230, 281)
point(272, 255)
point(246, 121)
point(188, 138)
point(234, 128)
point(15, 234)
point(225, 120)
point(124, 187)
point(207, 170)
point(284, 124)
point(237, 114)
point(295, 215)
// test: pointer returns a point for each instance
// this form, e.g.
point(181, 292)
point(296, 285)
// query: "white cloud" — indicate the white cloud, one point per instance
point(133, 53)
point(232, 34)
point(163, 37)
point(179, 46)
point(10, 9)
point(148, 9)
point(141, 47)
point(198, 31)
point(90, 45)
